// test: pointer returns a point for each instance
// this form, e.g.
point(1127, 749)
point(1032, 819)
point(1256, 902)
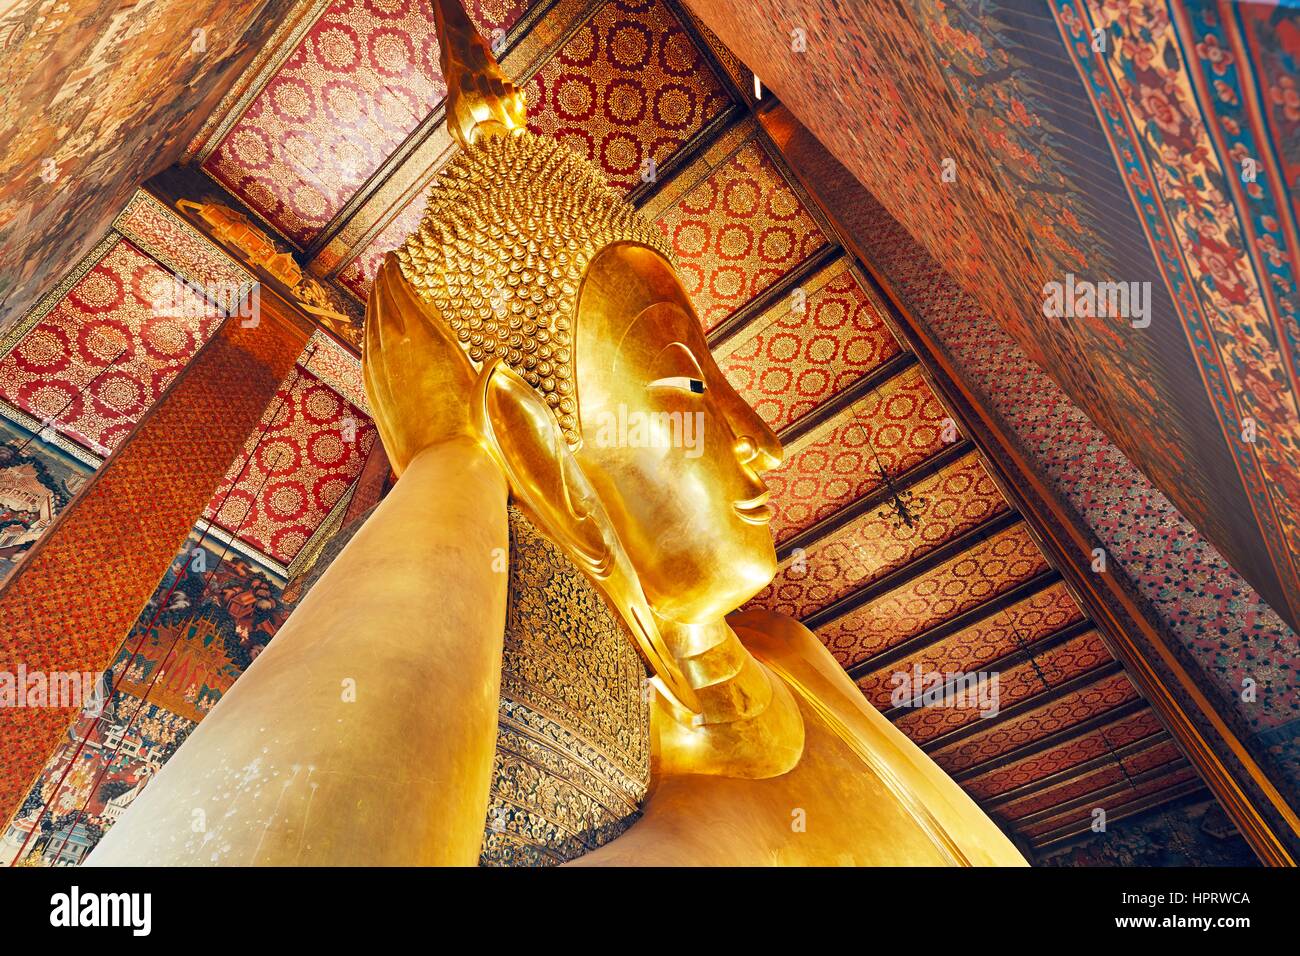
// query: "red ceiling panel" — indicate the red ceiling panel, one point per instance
point(309, 448)
point(1056, 759)
point(357, 84)
point(991, 567)
point(1105, 776)
point(628, 86)
point(947, 504)
point(96, 362)
point(808, 347)
point(738, 232)
point(1113, 803)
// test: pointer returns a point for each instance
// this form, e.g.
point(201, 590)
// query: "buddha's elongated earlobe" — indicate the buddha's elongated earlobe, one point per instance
point(549, 486)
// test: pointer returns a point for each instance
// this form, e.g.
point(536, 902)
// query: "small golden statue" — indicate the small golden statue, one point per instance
point(508, 344)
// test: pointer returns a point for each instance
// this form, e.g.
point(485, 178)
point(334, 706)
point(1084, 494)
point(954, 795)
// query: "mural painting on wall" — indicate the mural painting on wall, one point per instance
point(112, 93)
point(37, 481)
point(1199, 369)
point(1196, 833)
point(212, 614)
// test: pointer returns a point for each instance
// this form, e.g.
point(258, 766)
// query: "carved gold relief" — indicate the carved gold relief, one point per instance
point(573, 750)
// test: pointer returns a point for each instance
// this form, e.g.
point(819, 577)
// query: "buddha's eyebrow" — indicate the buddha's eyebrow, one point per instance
point(654, 308)
point(682, 346)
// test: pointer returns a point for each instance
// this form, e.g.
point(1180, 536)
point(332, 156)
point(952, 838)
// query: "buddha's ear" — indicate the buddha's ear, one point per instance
point(548, 484)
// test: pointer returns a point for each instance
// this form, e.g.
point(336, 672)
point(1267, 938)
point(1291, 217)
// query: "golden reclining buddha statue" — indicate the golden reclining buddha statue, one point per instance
point(524, 655)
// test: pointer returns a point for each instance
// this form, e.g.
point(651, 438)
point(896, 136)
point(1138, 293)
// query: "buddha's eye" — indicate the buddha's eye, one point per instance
point(683, 382)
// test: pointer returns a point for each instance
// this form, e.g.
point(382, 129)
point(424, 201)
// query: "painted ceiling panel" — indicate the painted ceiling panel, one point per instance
point(1046, 670)
point(96, 362)
point(1074, 708)
point(900, 422)
point(985, 571)
point(309, 448)
point(1056, 759)
point(1112, 773)
point(738, 232)
point(628, 87)
point(958, 498)
point(1113, 803)
point(365, 75)
point(808, 347)
point(970, 649)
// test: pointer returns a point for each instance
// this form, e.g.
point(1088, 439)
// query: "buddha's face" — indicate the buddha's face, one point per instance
point(674, 453)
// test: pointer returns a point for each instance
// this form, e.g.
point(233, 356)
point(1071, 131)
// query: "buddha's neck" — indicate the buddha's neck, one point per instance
point(729, 682)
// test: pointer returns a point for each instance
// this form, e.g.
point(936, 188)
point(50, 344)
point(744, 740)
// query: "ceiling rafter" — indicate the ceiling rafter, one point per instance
point(932, 636)
point(1017, 657)
point(1019, 709)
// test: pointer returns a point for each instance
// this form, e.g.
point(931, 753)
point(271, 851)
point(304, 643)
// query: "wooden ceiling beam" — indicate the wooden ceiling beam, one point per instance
point(1113, 716)
point(959, 622)
point(1025, 706)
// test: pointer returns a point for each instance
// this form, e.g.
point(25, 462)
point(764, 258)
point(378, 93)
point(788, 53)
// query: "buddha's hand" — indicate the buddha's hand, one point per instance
point(418, 379)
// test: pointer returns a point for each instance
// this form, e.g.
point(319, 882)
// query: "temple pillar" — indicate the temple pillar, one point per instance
point(73, 600)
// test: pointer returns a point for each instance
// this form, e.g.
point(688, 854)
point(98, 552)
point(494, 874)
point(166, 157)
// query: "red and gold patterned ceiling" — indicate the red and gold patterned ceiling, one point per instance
point(898, 546)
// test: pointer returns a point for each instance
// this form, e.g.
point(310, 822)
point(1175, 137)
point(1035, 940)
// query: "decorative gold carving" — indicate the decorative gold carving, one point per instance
point(573, 750)
point(510, 228)
point(236, 231)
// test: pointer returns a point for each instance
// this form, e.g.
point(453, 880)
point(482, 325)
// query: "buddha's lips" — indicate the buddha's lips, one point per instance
point(754, 510)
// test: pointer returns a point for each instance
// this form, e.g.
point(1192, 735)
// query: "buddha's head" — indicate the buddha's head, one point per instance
point(533, 263)
point(536, 314)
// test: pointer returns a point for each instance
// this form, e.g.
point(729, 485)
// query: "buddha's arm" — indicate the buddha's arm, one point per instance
point(365, 732)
